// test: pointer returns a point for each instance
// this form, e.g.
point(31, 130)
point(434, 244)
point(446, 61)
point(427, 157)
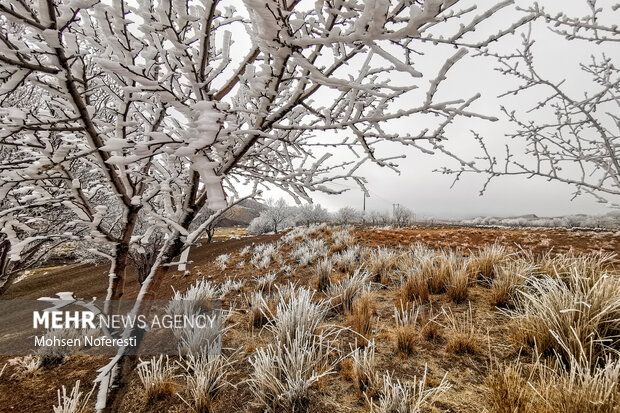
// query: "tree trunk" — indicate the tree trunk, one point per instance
point(119, 267)
point(6, 279)
point(7, 276)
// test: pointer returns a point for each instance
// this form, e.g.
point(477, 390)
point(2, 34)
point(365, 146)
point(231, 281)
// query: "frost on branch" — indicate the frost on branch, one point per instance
point(571, 134)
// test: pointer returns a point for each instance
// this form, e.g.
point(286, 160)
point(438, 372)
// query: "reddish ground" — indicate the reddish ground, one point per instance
point(536, 240)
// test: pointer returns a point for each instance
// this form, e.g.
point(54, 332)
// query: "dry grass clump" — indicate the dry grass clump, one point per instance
point(360, 367)
point(284, 372)
point(193, 339)
point(569, 314)
point(481, 264)
point(265, 282)
point(74, 402)
point(244, 251)
point(413, 288)
point(221, 261)
point(323, 271)
point(258, 310)
point(263, 255)
point(344, 292)
point(309, 251)
point(205, 375)
point(457, 287)
point(363, 311)
point(157, 377)
point(431, 329)
point(190, 301)
point(577, 387)
point(508, 278)
point(462, 337)
point(296, 312)
point(348, 260)
point(405, 334)
point(588, 265)
point(342, 239)
point(231, 285)
point(445, 263)
point(436, 268)
point(572, 386)
point(25, 367)
point(381, 263)
point(406, 397)
point(509, 390)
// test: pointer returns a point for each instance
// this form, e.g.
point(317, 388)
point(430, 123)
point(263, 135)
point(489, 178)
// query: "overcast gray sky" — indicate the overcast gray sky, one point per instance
point(429, 193)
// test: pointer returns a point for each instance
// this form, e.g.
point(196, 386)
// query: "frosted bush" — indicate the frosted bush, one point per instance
point(231, 285)
point(344, 292)
point(307, 252)
point(263, 255)
point(190, 301)
point(297, 312)
point(222, 261)
point(25, 366)
point(156, 375)
point(265, 282)
point(205, 373)
point(74, 402)
point(193, 340)
point(406, 397)
point(284, 372)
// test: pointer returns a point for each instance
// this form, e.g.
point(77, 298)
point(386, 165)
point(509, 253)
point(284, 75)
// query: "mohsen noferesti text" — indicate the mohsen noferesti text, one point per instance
point(86, 341)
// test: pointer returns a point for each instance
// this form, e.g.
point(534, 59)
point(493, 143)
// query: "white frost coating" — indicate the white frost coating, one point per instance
point(13, 113)
point(372, 20)
point(115, 144)
point(183, 261)
point(216, 198)
point(206, 126)
point(51, 37)
point(398, 65)
point(264, 22)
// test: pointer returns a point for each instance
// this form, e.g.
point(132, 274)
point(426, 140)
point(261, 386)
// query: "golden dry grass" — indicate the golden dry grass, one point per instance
point(362, 316)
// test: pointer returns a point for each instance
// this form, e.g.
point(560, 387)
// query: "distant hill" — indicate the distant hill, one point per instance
point(242, 214)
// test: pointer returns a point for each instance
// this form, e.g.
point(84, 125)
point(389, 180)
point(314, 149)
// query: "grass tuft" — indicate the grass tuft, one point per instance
point(462, 336)
point(157, 377)
point(405, 335)
point(406, 397)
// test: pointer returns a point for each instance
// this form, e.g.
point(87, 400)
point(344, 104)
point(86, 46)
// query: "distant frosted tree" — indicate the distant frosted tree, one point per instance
point(379, 217)
point(260, 225)
point(277, 214)
point(311, 214)
point(346, 215)
point(402, 216)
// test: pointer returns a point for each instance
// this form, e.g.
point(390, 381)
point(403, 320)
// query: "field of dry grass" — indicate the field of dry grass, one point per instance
point(356, 320)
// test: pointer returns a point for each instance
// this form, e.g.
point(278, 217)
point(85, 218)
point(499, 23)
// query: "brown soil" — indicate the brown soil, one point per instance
point(466, 373)
point(537, 240)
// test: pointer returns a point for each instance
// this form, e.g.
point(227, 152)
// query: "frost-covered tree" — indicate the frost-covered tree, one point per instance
point(113, 112)
point(308, 214)
point(277, 214)
point(259, 225)
point(378, 217)
point(346, 215)
point(571, 133)
point(402, 216)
